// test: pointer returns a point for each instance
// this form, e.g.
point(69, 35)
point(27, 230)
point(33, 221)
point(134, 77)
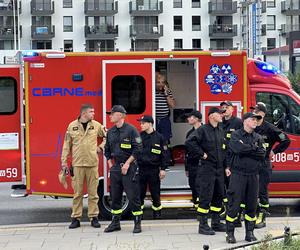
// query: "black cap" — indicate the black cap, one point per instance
point(215, 110)
point(251, 115)
point(228, 103)
point(260, 106)
point(195, 113)
point(146, 118)
point(117, 108)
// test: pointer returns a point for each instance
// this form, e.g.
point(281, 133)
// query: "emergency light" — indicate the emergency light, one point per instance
point(29, 53)
point(267, 67)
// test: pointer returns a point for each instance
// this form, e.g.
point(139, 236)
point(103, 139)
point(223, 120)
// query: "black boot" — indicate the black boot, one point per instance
point(230, 233)
point(156, 214)
point(216, 225)
point(95, 223)
point(137, 224)
point(238, 222)
point(114, 225)
point(249, 225)
point(75, 223)
point(204, 228)
point(261, 219)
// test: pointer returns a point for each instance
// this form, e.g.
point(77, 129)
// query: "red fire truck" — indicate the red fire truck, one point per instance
point(42, 95)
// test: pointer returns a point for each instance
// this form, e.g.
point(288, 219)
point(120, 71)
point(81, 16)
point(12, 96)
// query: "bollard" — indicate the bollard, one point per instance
point(287, 236)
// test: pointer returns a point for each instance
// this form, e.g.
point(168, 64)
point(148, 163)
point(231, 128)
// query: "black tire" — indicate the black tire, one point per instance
point(104, 204)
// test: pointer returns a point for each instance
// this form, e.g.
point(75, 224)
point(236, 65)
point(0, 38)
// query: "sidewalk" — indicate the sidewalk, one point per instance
point(156, 235)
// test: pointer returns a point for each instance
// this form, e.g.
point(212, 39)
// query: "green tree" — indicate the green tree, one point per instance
point(295, 81)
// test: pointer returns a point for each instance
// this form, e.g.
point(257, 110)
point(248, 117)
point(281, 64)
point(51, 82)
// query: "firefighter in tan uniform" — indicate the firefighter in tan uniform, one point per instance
point(81, 143)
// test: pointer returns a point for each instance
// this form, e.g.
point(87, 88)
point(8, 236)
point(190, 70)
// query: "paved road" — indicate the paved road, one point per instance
point(36, 209)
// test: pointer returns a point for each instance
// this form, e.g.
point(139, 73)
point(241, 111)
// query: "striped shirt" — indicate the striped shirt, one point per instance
point(161, 104)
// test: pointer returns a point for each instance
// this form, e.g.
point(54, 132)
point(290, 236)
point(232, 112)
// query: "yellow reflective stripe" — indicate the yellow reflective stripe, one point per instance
point(248, 218)
point(243, 205)
point(137, 213)
point(202, 210)
point(157, 145)
point(123, 145)
point(196, 205)
point(228, 218)
point(155, 151)
point(157, 208)
point(260, 218)
point(228, 135)
point(215, 209)
point(264, 205)
point(117, 211)
point(266, 145)
point(223, 146)
point(225, 200)
point(142, 207)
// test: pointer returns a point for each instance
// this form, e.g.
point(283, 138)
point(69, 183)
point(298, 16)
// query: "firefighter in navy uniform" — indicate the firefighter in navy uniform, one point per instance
point(245, 158)
point(192, 164)
point(230, 123)
point(207, 143)
point(123, 146)
point(271, 135)
point(152, 163)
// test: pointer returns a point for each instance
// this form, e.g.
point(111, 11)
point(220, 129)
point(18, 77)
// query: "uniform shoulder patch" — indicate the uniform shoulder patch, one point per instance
point(282, 136)
point(91, 127)
point(138, 139)
point(75, 128)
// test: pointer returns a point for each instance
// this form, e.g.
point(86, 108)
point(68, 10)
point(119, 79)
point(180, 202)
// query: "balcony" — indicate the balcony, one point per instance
point(7, 32)
point(94, 8)
point(42, 8)
point(222, 31)
point(42, 32)
point(224, 48)
point(263, 29)
point(104, 31)
point(286, 28)
point(143, 31)
point(290, 8)
point(151, 9)
point(222, 8)
point(263, 6)
point(6, 9)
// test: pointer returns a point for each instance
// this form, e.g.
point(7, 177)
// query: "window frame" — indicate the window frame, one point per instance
point(15, 96)
point(64, 26)
point(177, 40)
point(67, 6)
point(273, 25)
point(194, 29)
point(179, 2)
point(194, 5)
point(175, 25)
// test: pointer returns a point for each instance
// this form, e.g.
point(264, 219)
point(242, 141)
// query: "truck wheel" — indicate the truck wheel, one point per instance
point(104, 204)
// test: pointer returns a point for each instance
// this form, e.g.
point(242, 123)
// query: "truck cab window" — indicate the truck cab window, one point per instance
point(283, 111)
point(8, 95)
point(129, 91)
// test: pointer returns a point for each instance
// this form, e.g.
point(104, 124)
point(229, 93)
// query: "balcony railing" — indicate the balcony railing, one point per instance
point(222, 31)
point(42, 8)
point(97, 9)
point(101, 31)
point(146, 31)
point(222, 7)
point(150, 9)
point(6, 9)
point(224, 48)
point(291, 7)
point(286, 28)
point(42, 32)
point(7, 32)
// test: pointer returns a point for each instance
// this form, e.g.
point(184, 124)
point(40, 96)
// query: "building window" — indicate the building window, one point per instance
point(271, 22)
point(100, 45)
point(8, 95)
point(6, 45)
point(196, 43)
point(68, 45)
point(177, 3)
point(129, 91)
point(178, 44)
point(196, 3)
point(271, 43)
point(271, 4)
point(68, 23)
point(67, 3)
point(177, 23)
point(196, 23)
point(40, 44)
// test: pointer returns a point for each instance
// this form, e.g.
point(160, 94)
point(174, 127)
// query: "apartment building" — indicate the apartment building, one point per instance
point(124, 25)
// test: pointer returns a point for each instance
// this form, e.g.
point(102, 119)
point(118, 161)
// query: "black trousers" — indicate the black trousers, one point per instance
point(211, 189)
point(193, 171)
point(265, 174)
point(242, 187)
point(127, 183)
point(150, 177)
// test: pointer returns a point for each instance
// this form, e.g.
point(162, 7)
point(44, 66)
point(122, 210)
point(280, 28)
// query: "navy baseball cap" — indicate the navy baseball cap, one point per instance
point(251, 115)
point(146, 118)
point(195, 113)
point(260, 106)
point(215, 110)
point(227, 103)
point(117, 108)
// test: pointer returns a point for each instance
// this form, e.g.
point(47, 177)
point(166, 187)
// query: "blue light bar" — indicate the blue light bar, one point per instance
point(29, 53)
point(267, 67)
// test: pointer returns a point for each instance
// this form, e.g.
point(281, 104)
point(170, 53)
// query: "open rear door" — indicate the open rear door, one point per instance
point(130, 83)
point(11, 137)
